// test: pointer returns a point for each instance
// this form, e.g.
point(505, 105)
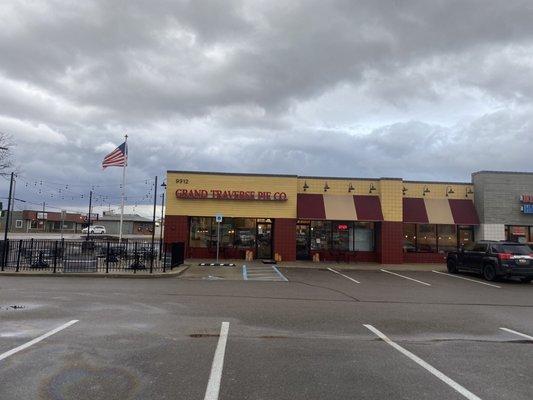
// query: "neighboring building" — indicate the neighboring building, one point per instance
point(133, 224)
point(31, 221)
point(504, 202)
point(387, 220)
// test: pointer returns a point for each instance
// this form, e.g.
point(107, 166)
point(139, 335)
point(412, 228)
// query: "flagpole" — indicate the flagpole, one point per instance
point(123, 190)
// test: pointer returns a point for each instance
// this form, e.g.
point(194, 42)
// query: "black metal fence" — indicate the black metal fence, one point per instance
point(56, 256)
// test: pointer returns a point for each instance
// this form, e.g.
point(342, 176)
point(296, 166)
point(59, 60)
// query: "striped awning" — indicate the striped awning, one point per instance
point(440, 211)
point(339, 207)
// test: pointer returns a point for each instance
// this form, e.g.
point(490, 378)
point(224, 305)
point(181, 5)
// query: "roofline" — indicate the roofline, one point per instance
point(440, 182)
point(311, 177)
point(501, 172)
point(338, 178)
point(229, 173)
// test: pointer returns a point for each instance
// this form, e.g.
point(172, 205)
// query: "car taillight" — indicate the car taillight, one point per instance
point(504, 256)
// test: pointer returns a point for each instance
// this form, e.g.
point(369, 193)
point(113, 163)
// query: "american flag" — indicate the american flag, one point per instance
point(117, 158)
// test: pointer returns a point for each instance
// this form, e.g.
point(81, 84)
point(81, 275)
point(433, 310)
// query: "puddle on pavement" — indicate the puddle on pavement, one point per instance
point(88, 382)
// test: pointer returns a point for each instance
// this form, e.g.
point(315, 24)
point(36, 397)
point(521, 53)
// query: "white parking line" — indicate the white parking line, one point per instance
point(213, 385)
point(406, 277)
point(347, 277)
point(517, 333)
point(462, 390)
point(467, 279)
point(36, 340)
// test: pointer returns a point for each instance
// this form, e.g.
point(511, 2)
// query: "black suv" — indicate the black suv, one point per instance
point(494, 260)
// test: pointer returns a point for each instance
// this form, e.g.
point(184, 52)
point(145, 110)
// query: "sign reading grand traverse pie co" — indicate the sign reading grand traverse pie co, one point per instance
point(217, 194)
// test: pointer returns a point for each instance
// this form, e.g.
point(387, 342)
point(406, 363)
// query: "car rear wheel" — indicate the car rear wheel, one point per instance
point(452, 266)
point(489, 272)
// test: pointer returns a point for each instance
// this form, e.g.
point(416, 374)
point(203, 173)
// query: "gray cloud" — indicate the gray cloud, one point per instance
point(417, 89)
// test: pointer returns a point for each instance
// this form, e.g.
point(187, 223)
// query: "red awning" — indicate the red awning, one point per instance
point(439, 211)
point(310, 206)
point(339, 207)
point(414, 211)
point(464, 212)
point(368, 208)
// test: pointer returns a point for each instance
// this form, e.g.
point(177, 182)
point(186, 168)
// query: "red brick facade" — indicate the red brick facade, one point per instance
point(285, 238)
point(424, 258)
point(389, 244)
point(177, 230)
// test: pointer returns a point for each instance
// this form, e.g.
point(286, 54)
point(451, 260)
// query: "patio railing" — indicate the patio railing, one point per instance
point(56, 256)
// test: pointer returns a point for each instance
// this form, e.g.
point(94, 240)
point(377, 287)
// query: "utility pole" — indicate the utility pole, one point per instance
point(44, 219)
point(8, 214)
point(153, 226)
point(89, 217)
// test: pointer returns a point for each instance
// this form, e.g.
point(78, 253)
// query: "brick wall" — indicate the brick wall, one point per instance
point(176, 229)
point(285, 238)
point(390, 242)
point(423, 258)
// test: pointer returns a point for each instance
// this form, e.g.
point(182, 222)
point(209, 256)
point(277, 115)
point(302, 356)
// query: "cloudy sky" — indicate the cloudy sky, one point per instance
point(413, 89)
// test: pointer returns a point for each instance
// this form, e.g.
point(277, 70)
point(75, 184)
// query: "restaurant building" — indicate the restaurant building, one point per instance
point(289, 217)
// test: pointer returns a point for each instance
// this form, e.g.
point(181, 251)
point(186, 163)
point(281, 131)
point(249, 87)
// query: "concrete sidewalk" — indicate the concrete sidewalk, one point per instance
point(360, 266)
point(138, 275)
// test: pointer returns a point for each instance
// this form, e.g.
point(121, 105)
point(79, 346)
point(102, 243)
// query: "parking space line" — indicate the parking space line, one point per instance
point(213, 385)
point(467, 279)
point(517, 333)
point(406, 277)
point(244, 273)
point(347, 277)
point(280, 274)
point(454, 385)
point(9, 353)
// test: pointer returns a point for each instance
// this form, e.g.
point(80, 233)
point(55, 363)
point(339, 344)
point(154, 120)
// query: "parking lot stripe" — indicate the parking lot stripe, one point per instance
point(406, 277)
point(517, 333)
point(347, 277)
point(244, 273)
point(5, 355)
point(457, 387)
point(280, 274)
point(213, 385)
point(467, 279)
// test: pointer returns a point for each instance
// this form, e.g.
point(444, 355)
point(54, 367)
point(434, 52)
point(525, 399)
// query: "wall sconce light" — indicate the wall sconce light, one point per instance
point(449, 190)
point(306, 186)
point(372, 188)
point(326, 187)
point(404, 190)
point(426, 190)
point(468, 191)
point(350, 188)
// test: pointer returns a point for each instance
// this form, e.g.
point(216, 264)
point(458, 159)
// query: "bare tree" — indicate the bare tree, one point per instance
point(6, 145)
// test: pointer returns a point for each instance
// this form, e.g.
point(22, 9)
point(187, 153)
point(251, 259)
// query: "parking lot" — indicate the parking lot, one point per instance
point(310, 334)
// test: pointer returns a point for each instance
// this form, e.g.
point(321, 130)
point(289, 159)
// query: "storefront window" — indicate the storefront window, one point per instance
point(519, 234)
point(342, 236)
point(466, 236)
point(447, 238)
point(409, 238)
point(427, 238)
point(200, 233)
point(320, 235)
point(364, 236)
point(244, 232)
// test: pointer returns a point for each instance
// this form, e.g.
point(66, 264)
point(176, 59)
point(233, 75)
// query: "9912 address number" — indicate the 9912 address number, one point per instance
point(182, 181)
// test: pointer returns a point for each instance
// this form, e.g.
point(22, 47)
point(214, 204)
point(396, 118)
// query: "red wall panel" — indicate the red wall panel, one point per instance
point(285, 238)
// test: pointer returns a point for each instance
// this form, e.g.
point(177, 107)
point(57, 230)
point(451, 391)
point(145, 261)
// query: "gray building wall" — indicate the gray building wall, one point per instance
point(497, 201)
point(113, 227)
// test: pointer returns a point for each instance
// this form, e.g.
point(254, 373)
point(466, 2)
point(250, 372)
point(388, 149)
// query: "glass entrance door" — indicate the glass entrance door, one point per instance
point(302, 242)
point(264, 240)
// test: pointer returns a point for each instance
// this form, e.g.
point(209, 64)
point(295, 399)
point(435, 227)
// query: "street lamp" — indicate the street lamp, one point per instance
point(164, 186)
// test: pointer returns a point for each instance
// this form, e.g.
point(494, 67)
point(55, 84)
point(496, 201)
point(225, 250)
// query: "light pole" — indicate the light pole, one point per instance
point(4, 247)
point(164, 186)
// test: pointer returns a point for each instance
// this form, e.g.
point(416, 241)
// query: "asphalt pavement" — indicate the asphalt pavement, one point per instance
point(316, 334)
